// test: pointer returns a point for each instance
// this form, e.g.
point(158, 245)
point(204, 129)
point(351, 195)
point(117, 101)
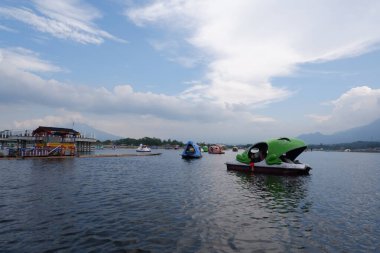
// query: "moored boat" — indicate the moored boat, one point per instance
point(235, 149)
point(215, 149)
point(275, 156)
point(143, 148)
point(192, 150)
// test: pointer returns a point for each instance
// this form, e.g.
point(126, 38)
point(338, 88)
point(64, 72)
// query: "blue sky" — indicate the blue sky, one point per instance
point(225, 71)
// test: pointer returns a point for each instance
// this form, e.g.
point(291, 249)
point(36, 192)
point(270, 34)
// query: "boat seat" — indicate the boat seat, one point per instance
point(285, 159)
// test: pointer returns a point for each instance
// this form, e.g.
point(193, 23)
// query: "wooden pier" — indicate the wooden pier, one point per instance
point(117, 155)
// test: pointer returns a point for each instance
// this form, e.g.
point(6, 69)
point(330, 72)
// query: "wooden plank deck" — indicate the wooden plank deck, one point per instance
point(118, 155)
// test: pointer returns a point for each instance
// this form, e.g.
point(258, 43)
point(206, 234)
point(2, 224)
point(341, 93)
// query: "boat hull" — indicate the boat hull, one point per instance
point(191, 156)
point(282, 169)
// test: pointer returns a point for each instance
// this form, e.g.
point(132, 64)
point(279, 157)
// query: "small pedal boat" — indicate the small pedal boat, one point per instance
point(275, 156)
point(143, 148)
point(215, 149)
point(191, 150)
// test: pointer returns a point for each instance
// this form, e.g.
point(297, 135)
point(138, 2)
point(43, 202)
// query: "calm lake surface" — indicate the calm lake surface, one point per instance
point(166, 204)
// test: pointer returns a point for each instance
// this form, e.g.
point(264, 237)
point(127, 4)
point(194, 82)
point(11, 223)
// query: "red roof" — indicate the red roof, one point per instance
point(55, 131)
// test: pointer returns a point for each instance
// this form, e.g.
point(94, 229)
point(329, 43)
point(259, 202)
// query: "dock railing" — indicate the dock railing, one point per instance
point(34, 152)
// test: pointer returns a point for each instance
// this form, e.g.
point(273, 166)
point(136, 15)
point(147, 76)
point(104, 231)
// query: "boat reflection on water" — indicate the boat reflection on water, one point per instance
point(280, 193)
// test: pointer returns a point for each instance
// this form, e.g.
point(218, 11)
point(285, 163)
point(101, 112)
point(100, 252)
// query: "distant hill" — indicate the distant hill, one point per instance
point(99, 135)
point(358, 146)
point(370, 132)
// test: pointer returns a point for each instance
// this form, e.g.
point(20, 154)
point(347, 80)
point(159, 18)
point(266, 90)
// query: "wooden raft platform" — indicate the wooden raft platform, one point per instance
point(117, 155)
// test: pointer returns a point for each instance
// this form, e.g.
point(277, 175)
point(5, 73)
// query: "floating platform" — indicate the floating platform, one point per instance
point(77, 156)
point(118, 155)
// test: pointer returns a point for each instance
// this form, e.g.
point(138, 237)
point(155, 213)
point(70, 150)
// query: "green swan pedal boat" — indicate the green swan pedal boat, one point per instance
point(275, 156)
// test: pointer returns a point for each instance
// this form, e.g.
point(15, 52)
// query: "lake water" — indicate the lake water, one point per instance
point(166, 204)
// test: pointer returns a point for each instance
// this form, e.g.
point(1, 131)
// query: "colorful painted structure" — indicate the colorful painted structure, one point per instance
point(192, 150)
point(44, 141)
point(275, 156)
point(54, 141)
point(215, 149)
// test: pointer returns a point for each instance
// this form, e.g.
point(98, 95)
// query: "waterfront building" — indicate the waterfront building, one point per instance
point(44, 141)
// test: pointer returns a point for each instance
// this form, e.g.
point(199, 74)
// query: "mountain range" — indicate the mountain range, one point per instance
point(93, 132)
point(370, 132)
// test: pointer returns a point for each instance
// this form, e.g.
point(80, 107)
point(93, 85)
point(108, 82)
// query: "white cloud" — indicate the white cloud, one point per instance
point(171, 50)
point(120, 110)
point(69, 19)
point(5, 28)
point(61, 119)
point(234, 129)
point(249, 42)
point(16, 72)
point(244, 44)
point(356, 107)
point(319, 118)
point(68, 11)
point(23, 59)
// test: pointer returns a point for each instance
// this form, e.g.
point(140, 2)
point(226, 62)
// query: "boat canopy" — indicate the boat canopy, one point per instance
point(56, 131)
point(284, 148)
point(258, 152)
point(191, 150)
point(274, 151)
point(255, 153)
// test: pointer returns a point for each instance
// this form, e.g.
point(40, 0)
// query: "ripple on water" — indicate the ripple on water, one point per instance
point(166, 204)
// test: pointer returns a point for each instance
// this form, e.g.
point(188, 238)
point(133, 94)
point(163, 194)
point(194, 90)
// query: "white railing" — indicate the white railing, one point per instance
point(35, 152)
point(54, 149)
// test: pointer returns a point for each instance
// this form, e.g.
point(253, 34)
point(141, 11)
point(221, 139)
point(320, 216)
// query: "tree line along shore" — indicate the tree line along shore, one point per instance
point(359, 146)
